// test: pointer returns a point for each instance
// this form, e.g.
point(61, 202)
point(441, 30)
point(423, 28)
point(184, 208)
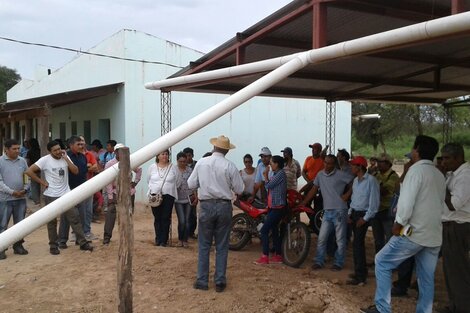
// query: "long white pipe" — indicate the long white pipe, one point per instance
point(427, 30)
point(430, 29)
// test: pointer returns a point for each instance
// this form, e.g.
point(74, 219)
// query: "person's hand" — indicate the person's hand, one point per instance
point(396, 228)
point(194, 203)
point(250, 199)
point(345, 197)
point(19, 193)
point(360, 222)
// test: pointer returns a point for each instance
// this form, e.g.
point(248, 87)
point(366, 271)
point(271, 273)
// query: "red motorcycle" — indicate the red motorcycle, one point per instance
point(295, 234)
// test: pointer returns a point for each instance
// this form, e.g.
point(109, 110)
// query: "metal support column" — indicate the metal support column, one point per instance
point(330, 133)
point(447, 125)
point(165, 112)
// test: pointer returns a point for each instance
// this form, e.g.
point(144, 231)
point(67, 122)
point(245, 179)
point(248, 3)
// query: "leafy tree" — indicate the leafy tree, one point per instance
point(8, 79)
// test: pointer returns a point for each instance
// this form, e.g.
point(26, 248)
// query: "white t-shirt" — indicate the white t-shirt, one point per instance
point(56, 173)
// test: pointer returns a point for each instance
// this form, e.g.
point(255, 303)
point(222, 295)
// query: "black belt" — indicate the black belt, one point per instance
point(215, 200)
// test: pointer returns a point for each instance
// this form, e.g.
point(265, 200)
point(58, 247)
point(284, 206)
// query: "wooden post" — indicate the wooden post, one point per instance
point(43, 129)
point(126, 233)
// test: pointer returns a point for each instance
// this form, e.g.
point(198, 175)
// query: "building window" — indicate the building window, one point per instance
point(63, 131)
point(74, 128)
point(87, 131)
point(104, 130)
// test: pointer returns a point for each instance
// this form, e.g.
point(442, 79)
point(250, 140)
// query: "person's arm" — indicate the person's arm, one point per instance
point(71, 166)
point(193, 180)
point(138, 177)
point(5, 189)
point(237, 182)
point(310, 195)
point(459, 196)
point(374, 200)
point(406, 202)
point(31, 172)
point(298, 172)
point(323, 152)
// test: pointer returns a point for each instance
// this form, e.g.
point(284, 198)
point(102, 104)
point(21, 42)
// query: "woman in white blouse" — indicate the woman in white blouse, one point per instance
point(163, 177)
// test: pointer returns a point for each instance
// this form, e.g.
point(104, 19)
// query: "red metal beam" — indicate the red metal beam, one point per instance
point(457, 6)
point(305, 8)
point(319, 30)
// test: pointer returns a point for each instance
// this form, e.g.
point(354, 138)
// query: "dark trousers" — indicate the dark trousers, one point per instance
point(381, 228)
point(110, 219)
point(162, 220)
point(183, 211)
point(72, 218)
point(456, 264)
point(359, 248)
point(405, 273)
point(192, 220)
point(271, 224)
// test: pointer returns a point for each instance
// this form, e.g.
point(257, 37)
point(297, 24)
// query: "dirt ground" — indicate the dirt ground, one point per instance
point(77, 281)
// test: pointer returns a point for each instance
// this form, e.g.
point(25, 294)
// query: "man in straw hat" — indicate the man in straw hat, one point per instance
point(216, 177)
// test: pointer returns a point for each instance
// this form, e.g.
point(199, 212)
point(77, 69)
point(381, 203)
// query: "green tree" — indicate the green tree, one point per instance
point(8, 78)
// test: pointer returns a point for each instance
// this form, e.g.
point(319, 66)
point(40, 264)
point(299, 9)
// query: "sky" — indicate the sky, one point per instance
point(81, 24)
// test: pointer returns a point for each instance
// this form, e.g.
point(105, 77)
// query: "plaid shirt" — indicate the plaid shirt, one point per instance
point(277, 188)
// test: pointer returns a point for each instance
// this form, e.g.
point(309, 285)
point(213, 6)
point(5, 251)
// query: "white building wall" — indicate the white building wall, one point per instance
point(135, 111)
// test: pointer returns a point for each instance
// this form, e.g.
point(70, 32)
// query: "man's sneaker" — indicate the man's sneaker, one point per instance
point(220, 287)
point(62, 245)
point(106, 241)
point(19, 249)
point(355, 282)
point(86, 247)
point(398, 292)
point(276, 259)
point(200, 287)
point(54, 251)
point(371, 309)
point(335, 268)
point(3, 255)
point(91, 236)
point(316, 266)
point(264, 259)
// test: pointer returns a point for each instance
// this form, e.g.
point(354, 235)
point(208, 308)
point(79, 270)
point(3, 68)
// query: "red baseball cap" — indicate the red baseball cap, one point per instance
point(359, 160)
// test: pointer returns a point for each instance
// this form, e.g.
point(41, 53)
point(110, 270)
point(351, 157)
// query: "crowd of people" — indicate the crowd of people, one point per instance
point(415, 217)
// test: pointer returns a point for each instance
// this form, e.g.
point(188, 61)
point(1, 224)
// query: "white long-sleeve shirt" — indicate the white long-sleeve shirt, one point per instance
point(156, 178)
point(421, 203)
point(458, 183)
point(216, 177)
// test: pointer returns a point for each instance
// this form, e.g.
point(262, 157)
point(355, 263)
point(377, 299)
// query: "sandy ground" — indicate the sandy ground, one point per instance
point(77, 281)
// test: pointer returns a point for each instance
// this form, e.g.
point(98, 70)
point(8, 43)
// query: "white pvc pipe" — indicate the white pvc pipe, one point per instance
point(427, 30)
point(430, 29)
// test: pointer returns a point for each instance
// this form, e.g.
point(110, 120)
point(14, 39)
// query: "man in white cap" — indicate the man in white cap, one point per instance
point(216, 177)
point(259, 190)
point(111, 193)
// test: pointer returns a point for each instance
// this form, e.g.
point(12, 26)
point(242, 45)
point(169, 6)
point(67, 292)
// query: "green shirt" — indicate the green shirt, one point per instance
point(387, 181)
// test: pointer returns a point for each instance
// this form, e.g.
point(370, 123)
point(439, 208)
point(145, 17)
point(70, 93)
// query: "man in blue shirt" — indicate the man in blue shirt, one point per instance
point(335, 217)
point(259, 189)
point(12, 191)
point(365, 201)
point(75, 154)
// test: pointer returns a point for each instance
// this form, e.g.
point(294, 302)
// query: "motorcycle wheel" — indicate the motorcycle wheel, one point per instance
point(240, 232)
point(317, 220)
point(296, 245)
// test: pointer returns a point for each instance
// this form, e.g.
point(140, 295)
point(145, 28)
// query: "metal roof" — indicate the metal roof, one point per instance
point(58, 99)
point(422, 72)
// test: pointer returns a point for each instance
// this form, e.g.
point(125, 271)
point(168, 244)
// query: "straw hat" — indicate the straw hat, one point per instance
point(222, 142)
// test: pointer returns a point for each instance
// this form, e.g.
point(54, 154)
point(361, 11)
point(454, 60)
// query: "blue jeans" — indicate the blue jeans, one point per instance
point(183, 211)
point(17, 208)
point(333, 220)
point(271, 223)
point(397, 250)
point(65, 225)
point(215, 220)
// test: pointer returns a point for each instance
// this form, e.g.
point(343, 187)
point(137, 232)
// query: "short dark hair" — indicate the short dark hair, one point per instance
point(188, 150)
point(454, 149)
point(180, 154)
point(207, 154)
point(279, 160)
point(344, 153)
point(97, 143)
point(51, 144)
point(247, 156)
point(112, 142)
point(427, 147)
point(335, 159)
point(73, 139)
point(61, 143)
point(11, 142)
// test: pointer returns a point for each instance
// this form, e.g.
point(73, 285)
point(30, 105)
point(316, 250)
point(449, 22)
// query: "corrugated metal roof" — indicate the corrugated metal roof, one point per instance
point(419, 73)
